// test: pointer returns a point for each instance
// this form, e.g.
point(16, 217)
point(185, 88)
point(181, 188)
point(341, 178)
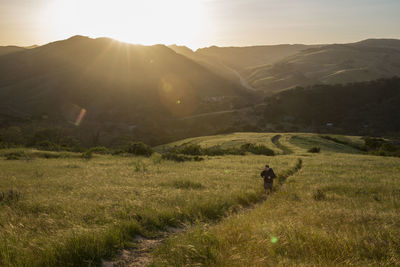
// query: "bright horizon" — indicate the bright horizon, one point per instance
point(199, 23)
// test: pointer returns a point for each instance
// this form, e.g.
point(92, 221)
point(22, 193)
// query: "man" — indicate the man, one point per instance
point(269, 176)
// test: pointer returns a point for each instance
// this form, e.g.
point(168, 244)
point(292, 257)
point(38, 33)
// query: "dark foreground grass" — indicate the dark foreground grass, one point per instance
point(74, 211)
point(339, 210)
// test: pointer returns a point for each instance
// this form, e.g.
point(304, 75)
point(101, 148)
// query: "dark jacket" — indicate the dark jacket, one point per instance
point(268, 176)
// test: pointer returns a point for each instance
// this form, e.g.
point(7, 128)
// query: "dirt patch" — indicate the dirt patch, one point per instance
point(140, 256)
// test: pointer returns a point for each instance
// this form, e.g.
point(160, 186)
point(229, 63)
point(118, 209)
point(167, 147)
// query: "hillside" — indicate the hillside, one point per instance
point(116, 83)
point(60, 209)
point(321, 216)
point(4, 50)
point(209, 62)
point(367, 108)
point(274, 68)
point(240, 58)
point(330, 64)
point(230, 62)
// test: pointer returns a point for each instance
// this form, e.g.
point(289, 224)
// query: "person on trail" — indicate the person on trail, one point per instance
point(269, 176)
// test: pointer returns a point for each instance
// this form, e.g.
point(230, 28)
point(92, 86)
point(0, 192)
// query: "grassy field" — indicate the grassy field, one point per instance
point(234, 140)
point(340, 208)
point(68, 210)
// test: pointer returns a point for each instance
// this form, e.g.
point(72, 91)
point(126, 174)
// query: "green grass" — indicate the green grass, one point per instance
point(73, 211)
point(340, 208)
point(234, 140)
point(275, 140)
point(307, 141)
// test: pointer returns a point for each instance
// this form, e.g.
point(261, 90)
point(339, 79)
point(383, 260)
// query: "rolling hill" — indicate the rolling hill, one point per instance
point(117, 84)
point(158, 94)
point(241, 58)
point(367, 108)
point(275, 68)
point(330, 64)
point(58, 209)
point(231, 62)
point(4, 50)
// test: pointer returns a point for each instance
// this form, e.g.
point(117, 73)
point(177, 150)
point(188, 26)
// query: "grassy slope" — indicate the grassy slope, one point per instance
point(74, 211)
point(340, 209)
point(228, 140)
point(306, 141)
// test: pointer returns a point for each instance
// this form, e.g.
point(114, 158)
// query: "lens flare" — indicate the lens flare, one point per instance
point(274, 239)
point(80, 117)
point(74, 114)
point(177, 95)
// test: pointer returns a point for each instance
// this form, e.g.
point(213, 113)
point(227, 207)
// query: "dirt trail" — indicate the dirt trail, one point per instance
point(141, 255)
point(136, 257)
point(278, 144)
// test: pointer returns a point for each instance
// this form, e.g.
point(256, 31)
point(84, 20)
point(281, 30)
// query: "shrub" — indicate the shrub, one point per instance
point(139, 149)
point(47, 145)
point(314, 150)
point(9, 197)
point(47, 155)
point(388, 147)
point(257, 149)
point(16, 155)
point(118, 151)
point(3, 145)
point(87, 155)
point(214, 151)
point(197, 158)
point(175, 157)
point(190, 149)
point(319, 195)
point(196, 150)
point(52, 135)
point(330, 138)
point(13, 135)
point(99, 150)
point(381, 147)
point(373, 143)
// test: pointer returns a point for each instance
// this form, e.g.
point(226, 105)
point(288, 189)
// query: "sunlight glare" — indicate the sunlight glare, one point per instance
point(145, 22)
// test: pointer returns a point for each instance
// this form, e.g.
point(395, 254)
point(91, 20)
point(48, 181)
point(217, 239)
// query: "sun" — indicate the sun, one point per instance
point(145, 22)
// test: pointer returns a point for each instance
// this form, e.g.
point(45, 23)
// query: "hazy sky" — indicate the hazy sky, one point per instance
point(199, 23)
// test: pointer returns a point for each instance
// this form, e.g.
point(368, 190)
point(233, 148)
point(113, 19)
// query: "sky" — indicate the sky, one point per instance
point(199, 23)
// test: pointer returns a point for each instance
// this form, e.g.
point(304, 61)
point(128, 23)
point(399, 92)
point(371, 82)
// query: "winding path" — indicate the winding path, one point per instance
point(278, 144)
point(141, 255)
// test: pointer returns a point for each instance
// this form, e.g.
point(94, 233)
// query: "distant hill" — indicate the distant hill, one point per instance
point(4, 50)
point(159, 93)
point(231, 62)
point(121, 86)
point(107, 77)
point(338, 63)
point(365, 108)
point(241, 58)
point(271, 69)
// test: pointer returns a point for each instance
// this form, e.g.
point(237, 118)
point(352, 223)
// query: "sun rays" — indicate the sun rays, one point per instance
point(144, 22)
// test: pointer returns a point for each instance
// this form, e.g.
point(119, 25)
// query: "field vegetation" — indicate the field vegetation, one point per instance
point(339, 209)
point(333, 207)
point(68, 209)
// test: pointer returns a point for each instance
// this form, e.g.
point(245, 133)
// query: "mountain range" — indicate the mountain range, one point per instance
point(107, 77)
point(159, 91)
point(272, 69)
